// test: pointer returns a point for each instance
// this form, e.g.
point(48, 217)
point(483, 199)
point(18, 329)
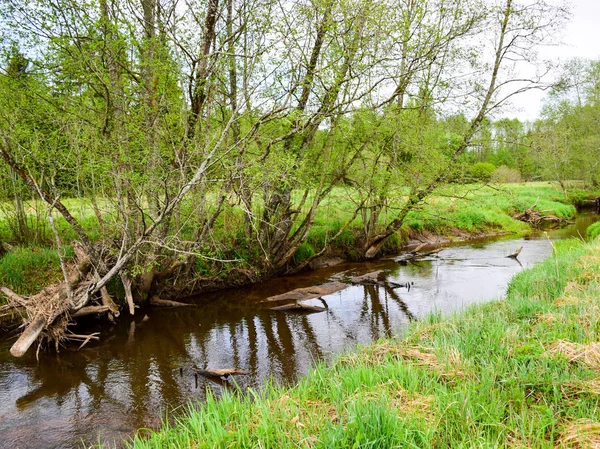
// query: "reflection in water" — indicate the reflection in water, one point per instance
point(142, 368)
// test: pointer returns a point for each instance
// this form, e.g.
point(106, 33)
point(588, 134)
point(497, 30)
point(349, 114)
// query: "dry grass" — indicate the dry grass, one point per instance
point(579, 387)
point(450, 367)
point(583, 433)
point(587, 354)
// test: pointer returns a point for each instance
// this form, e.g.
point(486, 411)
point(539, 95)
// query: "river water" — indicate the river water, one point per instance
point(140, 370)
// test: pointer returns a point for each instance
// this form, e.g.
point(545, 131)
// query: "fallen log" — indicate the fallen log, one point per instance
point(224, 372)
point(156, 301)
point(29, 335)
point(515, 254)
point(299, 307)
point(91, 310)
point(306, 293)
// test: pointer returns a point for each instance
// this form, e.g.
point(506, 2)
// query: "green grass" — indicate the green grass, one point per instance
point(28, 270)
point(593, 231)
point(452, 211)
point(520, 372)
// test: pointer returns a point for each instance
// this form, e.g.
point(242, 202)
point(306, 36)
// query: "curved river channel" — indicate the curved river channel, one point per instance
point(133, 376)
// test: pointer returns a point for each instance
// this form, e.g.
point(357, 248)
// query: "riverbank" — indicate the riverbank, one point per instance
point(455, 213)
point(517, 372)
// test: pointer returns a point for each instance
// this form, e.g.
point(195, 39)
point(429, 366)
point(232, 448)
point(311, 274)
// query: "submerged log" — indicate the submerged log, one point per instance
point(224, 372)
point(156, 301)
point(299, 307)
point(306, 293)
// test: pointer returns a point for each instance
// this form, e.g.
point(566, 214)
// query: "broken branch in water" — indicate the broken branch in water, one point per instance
point(224, 372)
point(515, 254)
point(299, 307)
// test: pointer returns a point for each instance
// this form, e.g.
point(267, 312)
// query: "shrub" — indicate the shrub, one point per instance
point(503, 174)
point(482, 171)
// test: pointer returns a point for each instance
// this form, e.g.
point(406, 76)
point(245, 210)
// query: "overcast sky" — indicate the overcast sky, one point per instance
point(581, 37)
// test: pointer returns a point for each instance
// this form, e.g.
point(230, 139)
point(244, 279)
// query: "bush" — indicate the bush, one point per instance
point(482, 171)
point(593, 231)
point(503, 174)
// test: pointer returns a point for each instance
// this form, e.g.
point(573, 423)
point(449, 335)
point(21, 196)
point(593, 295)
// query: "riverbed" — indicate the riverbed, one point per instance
point(141, 370)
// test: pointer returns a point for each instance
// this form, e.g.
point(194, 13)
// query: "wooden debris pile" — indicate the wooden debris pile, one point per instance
point(539, 218)
point(47, 314)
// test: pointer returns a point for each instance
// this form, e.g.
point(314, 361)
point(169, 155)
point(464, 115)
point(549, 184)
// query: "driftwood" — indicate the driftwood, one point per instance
point(306, 293)
point(299, 307)
point(156, 301)
point(515, 254)
point(224, 372)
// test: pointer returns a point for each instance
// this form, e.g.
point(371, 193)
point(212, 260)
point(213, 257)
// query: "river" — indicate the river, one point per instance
point(140, 370)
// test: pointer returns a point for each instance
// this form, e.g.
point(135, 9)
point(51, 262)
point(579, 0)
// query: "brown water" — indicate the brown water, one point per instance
point(132, 377)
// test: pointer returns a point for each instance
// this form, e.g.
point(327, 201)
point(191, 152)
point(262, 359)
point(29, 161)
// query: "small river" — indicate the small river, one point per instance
point(133, 376)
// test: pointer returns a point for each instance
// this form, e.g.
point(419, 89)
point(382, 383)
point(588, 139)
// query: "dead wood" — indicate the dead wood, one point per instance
point(224, 372)
point(369, 278)
point(90, 310)
point(430, 253)
point(299, 307)
point(12, 296)
point(515, 254)
point(29, 335)
point(156, 301)
point(539, 218)
point(5, 247)
point(306, 293)
point(128, 294)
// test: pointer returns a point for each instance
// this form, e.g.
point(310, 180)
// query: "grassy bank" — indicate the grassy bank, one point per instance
point(455, 212)
point(520, 372)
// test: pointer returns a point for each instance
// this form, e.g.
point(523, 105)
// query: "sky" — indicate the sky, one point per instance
point(580, 40)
